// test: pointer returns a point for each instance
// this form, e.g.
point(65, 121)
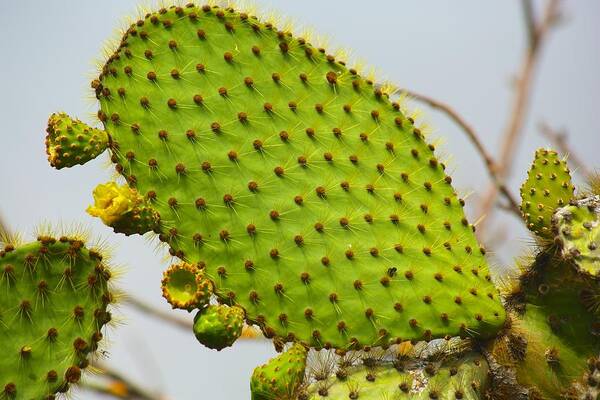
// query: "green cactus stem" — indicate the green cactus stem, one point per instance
point(53, 304)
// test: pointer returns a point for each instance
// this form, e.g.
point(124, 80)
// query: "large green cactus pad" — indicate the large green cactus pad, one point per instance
point(53, 304)
point(548, 187)
point(466, 378)
point(578, 227)
point(308, 197)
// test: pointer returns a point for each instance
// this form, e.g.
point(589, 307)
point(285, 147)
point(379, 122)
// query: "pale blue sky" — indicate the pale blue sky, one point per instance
point(462, 52)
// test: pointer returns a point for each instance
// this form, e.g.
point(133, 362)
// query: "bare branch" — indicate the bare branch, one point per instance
point(146, 308)
point(520, 104)
point(528, 13)
point(119, 386)
point(559, 139)
point(249, 332)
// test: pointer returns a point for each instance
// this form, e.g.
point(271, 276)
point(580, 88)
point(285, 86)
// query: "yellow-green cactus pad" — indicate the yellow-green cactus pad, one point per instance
point(553, 332)
point(466, 378)
point(184, 287)
point(53, 303)
point(548, 187)
point(281, 377)
point(578, 228)
point(312, 201)
point(218, 326)
point(70, 142)
point(588, 387)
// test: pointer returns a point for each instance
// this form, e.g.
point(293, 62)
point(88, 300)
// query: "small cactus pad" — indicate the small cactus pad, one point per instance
point(548, 187)
point(312, 201)
point(218, 326)
point(71, 142)
point(553, 331)
point(123, 209)
point(184, 287)
point(53, 304)
point(466, 378)
point(578, 228)
point(281, 377)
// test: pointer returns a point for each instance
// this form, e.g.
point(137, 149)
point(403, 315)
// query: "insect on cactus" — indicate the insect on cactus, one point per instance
point(303, 199)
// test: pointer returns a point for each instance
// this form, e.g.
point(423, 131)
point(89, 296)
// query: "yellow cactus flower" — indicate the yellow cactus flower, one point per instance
point(111, 202)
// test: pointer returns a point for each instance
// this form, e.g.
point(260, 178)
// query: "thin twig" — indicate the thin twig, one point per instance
point(529, 22)
point(119, 386)
point(249, 332)
point(559, 139)
point(488, 160)
point(146, 308)
point(518, 112)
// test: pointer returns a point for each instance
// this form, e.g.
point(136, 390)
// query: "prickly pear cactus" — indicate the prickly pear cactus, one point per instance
point(548, 187)
point(53, 304)
point(218, 326)
point(184, 287)
point(578, 230)
point(71, 142)
point(310, 199)
point(465, 378)
point(554, 329)
point(281, 377)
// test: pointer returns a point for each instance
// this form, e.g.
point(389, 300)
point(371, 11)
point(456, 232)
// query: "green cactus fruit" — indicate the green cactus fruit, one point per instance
point(53, 304)
point(466, 378)
point(218, 326)
point(578, 229)
point(548, 187)
point(123, 209)
point(553, 333)
point(281, 377)
point(71, 142)
point(312, 200)
point(184, 287)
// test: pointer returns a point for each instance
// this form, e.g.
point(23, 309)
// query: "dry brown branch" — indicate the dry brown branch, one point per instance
point(519, 108)
point(488, 160)
point(119, 386)
point(249, 332)
point(559, 139)
point(146, 308)
point(528, 13)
